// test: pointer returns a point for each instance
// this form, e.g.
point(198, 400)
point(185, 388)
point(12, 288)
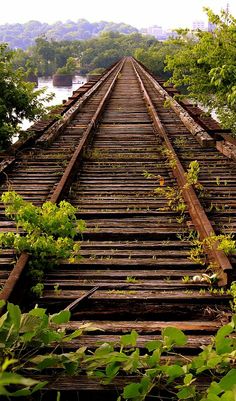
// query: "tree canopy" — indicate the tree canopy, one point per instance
point(48, 55)
point(206, 64)
point(24, 35)
point(18, 98)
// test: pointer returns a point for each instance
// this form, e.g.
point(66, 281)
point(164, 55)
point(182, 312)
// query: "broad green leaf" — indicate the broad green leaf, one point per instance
point(15, 315)
point(61, 317)
point(228, 396)
point(224, 344)
point(71, 367)
point(173, 371)
point(112, 369)
point(214, 388)
point(186, 392)
point(153, 345)
point(228, 382)
point(74, 334)
point(129, 339)
point(213, 397)
point(104, 349)
point(173, 336)
point(49, 336)
point(39, 386)
point(213, 361)
point(21, 393)
point(3, 319)
point(188, 379)
point(7, 378)
point(154, 359)
point(2, 303)
point(29, 323)
point(131, 390)
point(47, 362)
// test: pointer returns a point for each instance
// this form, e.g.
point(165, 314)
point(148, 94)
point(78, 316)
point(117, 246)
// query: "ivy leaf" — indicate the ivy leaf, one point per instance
point(186, 392)
point(214, 388)
point(74, 334)
point(173, 372)
point(132, 390)
point(228, 396)
point(154, 359)
point(153, 345)
point(104, 349)
point(129, 339)
point(7, 378)
point(188, 379)
point(45, 362)
point(29, 323)
point(173, 336)
point(15, 315)
point(112, 369)
point(3, 319)
point(39, 386)
point(228, 382)
point(2, 303)
point(222, 343)
point(61, 317)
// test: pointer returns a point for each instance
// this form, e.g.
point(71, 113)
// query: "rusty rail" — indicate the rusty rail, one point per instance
point(196, 211)
point(63, 185)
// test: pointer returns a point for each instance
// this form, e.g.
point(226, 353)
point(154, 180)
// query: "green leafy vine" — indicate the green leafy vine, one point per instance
point(47, 233)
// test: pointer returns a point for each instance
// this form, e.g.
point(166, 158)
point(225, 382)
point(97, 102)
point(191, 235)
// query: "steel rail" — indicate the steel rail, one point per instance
point(47, 137)
point(63, 185)
point(194, 128)
point(51, 134)
point(196, 211)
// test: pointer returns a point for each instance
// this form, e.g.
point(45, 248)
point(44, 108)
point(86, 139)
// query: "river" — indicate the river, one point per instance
point(60, 92)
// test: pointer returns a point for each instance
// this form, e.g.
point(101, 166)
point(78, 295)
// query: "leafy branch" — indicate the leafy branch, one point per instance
point(47, 233)
point(24, 337)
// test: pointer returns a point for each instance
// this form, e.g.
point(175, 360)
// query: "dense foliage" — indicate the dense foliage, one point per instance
point(47, 233)
point(18, 100)
point(47, 56)
point(24, 35)
point(25, 336)
point(206, 64)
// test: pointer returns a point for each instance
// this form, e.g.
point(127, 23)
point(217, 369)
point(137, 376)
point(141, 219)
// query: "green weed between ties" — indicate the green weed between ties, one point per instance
point(24, 338)
point(47, 233)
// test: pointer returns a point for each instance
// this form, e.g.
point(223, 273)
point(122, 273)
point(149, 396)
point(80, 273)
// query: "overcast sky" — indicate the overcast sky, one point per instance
point(139, 13)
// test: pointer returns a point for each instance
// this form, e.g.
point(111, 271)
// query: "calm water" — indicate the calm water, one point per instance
point(61, 92)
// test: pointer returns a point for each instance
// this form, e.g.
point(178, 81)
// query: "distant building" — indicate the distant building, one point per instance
point(158, 32)
point(155, 30)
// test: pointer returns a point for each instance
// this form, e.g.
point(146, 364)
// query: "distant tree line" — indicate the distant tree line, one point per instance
point(24, 35)
point(49, 56)
point(204, 63)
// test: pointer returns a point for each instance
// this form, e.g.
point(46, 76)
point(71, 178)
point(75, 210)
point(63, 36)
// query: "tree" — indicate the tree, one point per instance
point(206, 64)
point(70, 68)
point(18, 98)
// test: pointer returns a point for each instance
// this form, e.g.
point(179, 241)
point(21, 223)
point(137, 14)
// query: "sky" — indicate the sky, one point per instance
point(139, 13)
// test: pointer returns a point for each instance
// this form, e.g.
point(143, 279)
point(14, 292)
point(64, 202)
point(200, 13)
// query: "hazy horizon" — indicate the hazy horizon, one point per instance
point(168, 14)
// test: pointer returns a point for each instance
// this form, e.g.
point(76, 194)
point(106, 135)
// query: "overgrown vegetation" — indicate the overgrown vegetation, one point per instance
point(47, 233)
point(205, 63)
point(46, 56)
point(18, 98)
point(24, 337)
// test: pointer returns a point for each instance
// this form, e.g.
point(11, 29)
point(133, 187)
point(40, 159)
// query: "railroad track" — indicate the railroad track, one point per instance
point(107, 156)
